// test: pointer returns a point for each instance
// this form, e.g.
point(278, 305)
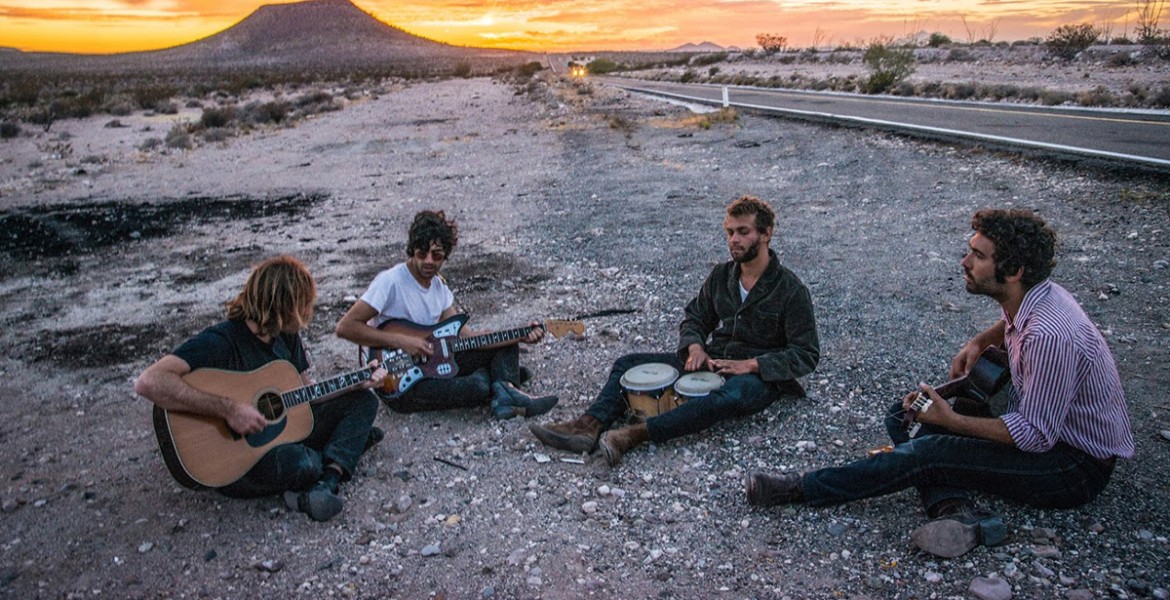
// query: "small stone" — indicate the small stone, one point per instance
point(1080, 594)
point(210, 555)
point(1096, 527)
point(11, 505)
point(268, 565)
point(603, 490)
point(990, 588)
point(1145, 535)
point(933, 577)
point(534, 581)
point(1161, 264)
point(1046, 551)
point(516, 557)
point(589, 507)
point(430, 550)
point(401, 505)
point(487, 592)
point(1165, 433)
point(542, 458)
point(1044, 571)
point(145, 547)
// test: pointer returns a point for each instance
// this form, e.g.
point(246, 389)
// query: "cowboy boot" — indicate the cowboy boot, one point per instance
point(578, 435)
point(619, 441)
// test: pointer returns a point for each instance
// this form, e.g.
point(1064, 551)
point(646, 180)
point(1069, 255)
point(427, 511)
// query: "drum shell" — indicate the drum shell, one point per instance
point(652, 394)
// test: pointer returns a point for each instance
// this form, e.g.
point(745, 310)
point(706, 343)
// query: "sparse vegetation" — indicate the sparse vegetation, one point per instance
point(9, 130)
point(1067, 41)
point(887, 65)
point(771, 43)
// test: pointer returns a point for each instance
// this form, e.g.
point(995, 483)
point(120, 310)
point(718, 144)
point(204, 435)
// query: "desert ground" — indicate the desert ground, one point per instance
point(571, 199)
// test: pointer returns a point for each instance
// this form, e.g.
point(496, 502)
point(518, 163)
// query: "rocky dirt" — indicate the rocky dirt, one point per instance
point(571, 199)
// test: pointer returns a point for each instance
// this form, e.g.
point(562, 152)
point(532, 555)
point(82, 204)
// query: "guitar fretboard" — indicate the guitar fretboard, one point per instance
point(396, 363)
point(489, 339)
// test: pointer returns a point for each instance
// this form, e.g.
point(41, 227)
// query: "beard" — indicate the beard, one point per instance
point(749, 254)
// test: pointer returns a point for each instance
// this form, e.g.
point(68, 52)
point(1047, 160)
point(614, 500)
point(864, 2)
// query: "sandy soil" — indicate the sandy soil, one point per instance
point(571, 199)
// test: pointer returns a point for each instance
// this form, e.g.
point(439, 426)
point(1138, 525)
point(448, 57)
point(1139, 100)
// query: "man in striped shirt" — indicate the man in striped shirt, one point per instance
point(1054, 446)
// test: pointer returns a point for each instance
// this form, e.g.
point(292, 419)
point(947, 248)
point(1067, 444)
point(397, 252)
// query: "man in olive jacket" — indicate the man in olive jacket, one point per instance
point(752, 323)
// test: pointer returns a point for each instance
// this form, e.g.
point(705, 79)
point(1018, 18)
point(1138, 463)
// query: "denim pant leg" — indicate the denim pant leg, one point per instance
point(610, 404)
point(929, 494)
point(1060, 478)
point(288, 467)
point(463, 391)
point(341, 427)
point(740, 396)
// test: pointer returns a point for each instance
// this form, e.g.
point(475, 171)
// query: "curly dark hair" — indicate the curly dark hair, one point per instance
point(1022, 240)
point(429, 227)
point(750, 205)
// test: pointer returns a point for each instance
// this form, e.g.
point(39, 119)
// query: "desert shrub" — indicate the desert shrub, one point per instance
point(268, 112)
point(1031, 93)
point(9, 130)
point(1121, 41)
point(1097, 97)
point(216, 117)
point(1119, 59)
point(904, 88)
point(888, 66)
point(179, 137)
point(318, 97)
point(960, 55)
point(724, 116)
point(167, 108)
point(713, 71)
point(1055, 97)
point(1162, 98)
point(150, 144)
point(687, 76)
point(621, 124)
point(771, 43)
point(938, 39)
point(194, 104)
point(602, 66)
point(787, 59)
point(929, 89)
point(960, 91)
point(1001, 91)
point(1067, 41)
point(710, 58)
point(218, 134)
point(149, 96)
point(461, 70)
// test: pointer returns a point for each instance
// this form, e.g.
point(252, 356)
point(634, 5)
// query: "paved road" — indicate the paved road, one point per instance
point(1117, 137)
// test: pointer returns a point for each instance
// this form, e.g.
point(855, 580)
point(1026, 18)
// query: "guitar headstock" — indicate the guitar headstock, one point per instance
point(561, 328)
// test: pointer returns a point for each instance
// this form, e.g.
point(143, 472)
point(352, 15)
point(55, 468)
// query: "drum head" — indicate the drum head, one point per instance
point(649, 376)
point(699, 383)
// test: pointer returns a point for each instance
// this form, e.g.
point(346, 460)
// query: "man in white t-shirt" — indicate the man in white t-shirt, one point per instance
point(413, 291)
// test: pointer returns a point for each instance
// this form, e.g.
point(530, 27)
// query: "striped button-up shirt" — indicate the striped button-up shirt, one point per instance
point(1066, 383)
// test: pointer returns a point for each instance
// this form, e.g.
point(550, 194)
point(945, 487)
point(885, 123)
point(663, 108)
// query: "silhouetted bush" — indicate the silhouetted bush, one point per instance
point(216, 117)
point(1067, 41)
point(9, 130)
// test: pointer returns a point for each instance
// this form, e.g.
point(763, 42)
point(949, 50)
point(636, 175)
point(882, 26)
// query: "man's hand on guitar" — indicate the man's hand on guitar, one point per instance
point(245, 419)
point(964, 360)
point(414, 346)
point(696, 358)
point(536, 334)
point(938, 413)
point(376, 378)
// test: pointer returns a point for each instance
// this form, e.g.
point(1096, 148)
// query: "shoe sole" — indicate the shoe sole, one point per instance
point(949, 538)
point(560, 441)
point(612, 456)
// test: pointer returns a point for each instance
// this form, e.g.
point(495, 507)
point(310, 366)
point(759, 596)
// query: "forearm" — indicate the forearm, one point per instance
point(169, 391)
point(980, 427)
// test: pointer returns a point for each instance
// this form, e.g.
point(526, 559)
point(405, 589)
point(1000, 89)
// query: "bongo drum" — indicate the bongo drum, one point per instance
point(696, 385)
point(646, 385)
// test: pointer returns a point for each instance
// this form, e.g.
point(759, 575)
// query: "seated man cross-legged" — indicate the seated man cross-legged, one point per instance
point(752, 322)
point(1054, 445)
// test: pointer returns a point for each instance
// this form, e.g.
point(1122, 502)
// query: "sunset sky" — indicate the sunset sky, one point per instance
point(102, 26)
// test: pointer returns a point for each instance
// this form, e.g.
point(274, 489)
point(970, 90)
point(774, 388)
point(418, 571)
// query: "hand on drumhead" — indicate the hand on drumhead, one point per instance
point(696, 358)
point(734, 367)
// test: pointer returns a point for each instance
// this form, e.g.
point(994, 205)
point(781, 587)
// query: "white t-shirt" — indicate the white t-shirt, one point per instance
point(395, 294)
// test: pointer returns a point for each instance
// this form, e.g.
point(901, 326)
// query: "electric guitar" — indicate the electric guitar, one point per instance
point(201, 451)
point(987, 376)
point(444, 338)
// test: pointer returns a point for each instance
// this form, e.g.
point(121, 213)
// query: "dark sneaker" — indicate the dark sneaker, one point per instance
point(770, 490)
point(958, 534)
point(319, 503)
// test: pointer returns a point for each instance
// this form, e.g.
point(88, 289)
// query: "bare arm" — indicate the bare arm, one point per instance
point(162, 383)
point(965, 359)
point(354, 327)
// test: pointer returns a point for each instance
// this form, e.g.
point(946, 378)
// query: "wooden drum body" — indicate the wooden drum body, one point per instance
point(647, 388)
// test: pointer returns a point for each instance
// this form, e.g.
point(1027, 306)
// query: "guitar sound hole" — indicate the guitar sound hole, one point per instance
point(270, 406)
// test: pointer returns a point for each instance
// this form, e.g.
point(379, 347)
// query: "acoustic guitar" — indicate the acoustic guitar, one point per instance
point(987, 376)
point(444, 338)
point(201, 451)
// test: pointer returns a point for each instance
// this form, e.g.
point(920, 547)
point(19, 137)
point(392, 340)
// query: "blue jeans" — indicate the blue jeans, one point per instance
point(341, 427)
point(741, 396)
point(466, 389)
point(943, 465)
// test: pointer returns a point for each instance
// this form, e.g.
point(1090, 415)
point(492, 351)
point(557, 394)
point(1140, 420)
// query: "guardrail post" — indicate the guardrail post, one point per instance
point(726, 102)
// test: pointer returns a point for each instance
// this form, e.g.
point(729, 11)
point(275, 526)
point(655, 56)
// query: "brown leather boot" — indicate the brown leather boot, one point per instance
point(578, 435)
point(618, 441)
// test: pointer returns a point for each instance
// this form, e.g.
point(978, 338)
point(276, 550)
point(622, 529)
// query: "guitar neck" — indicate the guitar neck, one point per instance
point(396, 362)
point(490, 339)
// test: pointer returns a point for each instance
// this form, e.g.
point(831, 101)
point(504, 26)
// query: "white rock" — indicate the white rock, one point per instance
point(589, 507)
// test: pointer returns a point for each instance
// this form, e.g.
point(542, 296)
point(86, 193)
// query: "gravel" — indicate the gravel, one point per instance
point(572, 199)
